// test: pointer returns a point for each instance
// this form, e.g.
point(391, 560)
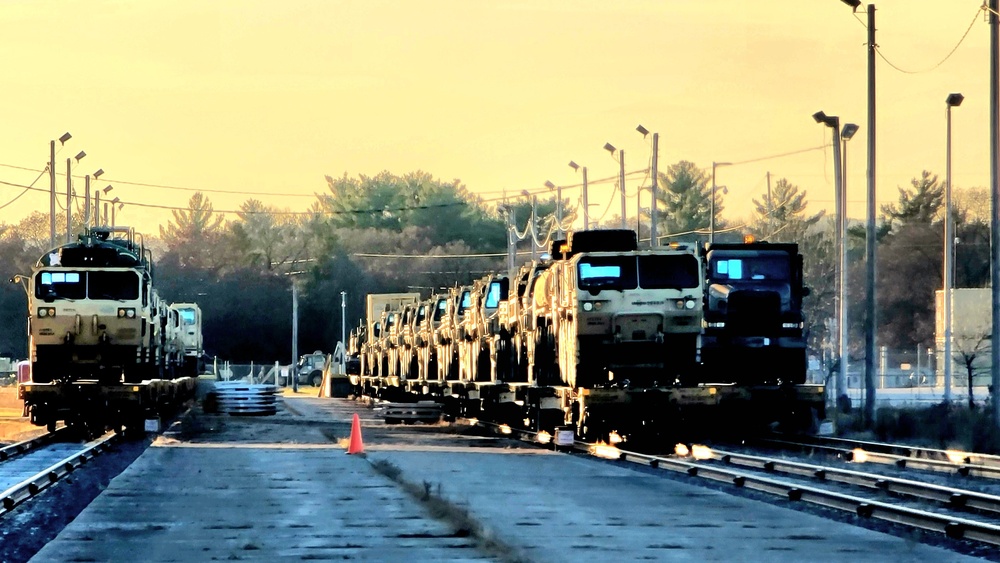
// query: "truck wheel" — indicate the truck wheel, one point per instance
point(316, 378)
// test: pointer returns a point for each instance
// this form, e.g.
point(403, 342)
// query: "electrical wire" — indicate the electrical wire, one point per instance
point(983, 7)
point(26, 188)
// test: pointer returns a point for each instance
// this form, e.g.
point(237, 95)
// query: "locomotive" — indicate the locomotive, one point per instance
point(611, 340)
point(104, 346)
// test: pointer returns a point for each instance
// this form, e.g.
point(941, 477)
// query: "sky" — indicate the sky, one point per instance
point(262, 99)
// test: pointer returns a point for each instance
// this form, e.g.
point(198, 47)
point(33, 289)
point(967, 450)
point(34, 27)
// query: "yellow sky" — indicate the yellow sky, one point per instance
point(264, 96)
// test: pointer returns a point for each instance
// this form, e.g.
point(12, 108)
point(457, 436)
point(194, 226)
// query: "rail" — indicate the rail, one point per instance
point(952, 497)
point(35, 484)
point(25, 446)
point(959, 462)
point(953, 527)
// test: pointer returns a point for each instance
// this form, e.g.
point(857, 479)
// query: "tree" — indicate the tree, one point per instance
point(967, 351)
point(194, 233)
point(919, 204)
point(686, 201)
point(781, 215)
point(392, 203)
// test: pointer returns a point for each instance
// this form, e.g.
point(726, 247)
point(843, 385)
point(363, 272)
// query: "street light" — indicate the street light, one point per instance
point(69, 194)
point(833, 122)
point(86, 196)
point(845, 135)
point(653, 237)
point(114, 203)
point(711, 230)
point(52, 186)
point(559, 207)
point(621, 175)
point(953, 101)
point(586, 208)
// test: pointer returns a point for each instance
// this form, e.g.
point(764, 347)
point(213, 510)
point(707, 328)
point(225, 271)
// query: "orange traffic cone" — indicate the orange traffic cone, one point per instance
point(356, 446)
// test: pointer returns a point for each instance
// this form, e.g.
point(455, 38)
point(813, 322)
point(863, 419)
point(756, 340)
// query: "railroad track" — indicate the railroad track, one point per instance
point(925, 506)
point(32, 466)
point(966, 464)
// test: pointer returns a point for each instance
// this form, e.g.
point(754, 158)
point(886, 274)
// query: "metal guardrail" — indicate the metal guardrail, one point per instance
point(237, 398)
point(31, 486)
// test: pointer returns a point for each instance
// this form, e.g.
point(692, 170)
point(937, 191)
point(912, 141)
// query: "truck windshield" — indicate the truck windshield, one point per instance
point(679, 271)
point(442, 306)
point(607, 272)
point(750, 268)
point(493, 297)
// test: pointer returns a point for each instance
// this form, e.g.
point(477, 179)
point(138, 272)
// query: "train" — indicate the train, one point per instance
point(105, 349)
point(613, 341)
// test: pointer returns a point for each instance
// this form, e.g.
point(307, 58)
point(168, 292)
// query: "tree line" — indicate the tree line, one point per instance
point(414, 232)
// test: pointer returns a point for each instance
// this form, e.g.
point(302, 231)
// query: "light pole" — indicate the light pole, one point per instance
point(97, 206)
point(653, 238)
point(833, 122)
point(86, 196)
point(711, 230)
point(69, 194)
point(115, 203)
point(52, 186)
point(953, 101)
point(559, 207)
point(621, 176)
point(343, 330)
point(586, 206)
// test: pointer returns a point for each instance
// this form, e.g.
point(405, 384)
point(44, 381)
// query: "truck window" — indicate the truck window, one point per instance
point(607, 272)
point(678, 271)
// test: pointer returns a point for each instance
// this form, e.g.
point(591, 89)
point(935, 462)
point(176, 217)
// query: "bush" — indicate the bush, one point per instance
point(941, 426)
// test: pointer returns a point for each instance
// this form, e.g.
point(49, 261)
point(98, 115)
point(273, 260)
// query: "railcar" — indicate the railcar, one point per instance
point(610, 339)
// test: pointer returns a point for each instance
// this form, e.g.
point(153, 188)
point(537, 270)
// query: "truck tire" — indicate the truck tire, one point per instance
point(316, 378)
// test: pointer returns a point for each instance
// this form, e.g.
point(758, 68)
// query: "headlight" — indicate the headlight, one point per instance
point(588, 306)
point(689, 304)
point(46, 311)
point(679, 303)
point(130, 313)
point(126, 312)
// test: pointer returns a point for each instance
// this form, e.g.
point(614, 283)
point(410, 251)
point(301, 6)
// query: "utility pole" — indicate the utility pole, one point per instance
point(621, 183)
point(586, 206)
point(770, 207)
point(292, 375)
point(994, 215)
point(343, 330)
point(69, 200)
point(653, 239)
point(870, 316)
point(534, 226)
point(52, 194)
point(86, 201)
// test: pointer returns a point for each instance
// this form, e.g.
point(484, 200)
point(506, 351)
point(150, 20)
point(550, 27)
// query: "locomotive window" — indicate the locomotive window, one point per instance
point(60, 285)
point(117, 286)
point(679, 271)
point(188, 316)
point(607, 272)
point(493, 297)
